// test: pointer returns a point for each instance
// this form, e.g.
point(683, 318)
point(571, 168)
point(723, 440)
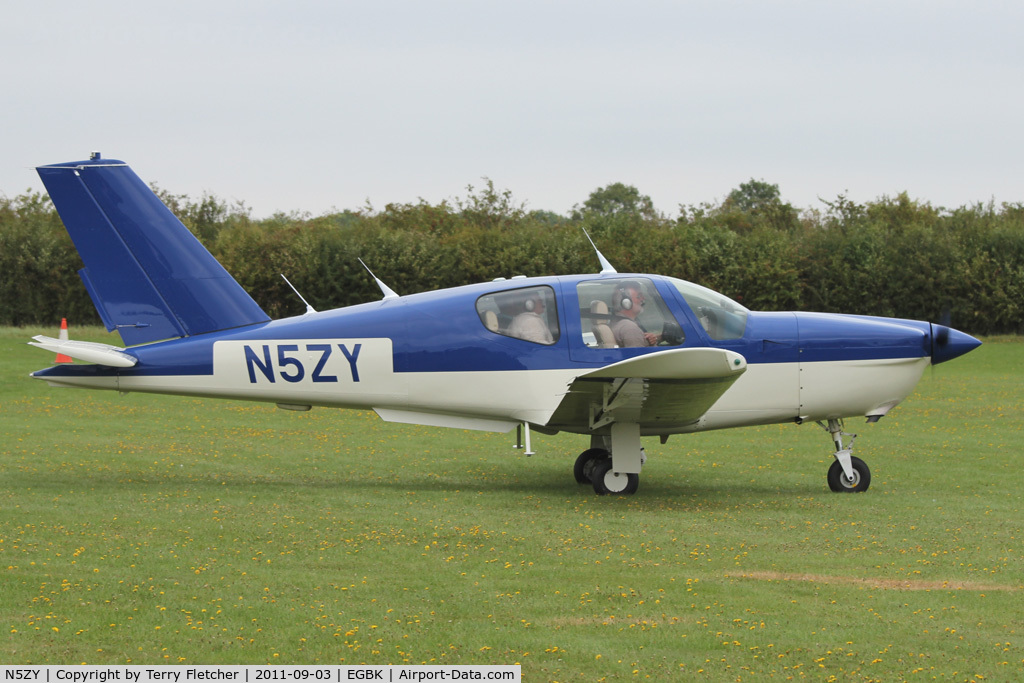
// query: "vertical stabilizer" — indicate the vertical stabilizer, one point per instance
point(148, 276)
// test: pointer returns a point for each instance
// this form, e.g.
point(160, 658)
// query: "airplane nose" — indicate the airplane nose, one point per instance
point(948, 343)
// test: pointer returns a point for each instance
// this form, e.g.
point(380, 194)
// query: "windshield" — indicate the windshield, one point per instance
point(721, 317)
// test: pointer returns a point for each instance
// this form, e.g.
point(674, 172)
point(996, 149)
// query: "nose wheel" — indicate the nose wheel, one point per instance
point(848, 473)
point(840, 483)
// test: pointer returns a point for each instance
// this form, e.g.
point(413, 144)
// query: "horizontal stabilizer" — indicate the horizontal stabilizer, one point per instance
point(90, 352)
point(148, 276)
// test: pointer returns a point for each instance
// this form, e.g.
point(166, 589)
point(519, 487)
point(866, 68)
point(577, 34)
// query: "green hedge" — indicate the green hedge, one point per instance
point(892, 257)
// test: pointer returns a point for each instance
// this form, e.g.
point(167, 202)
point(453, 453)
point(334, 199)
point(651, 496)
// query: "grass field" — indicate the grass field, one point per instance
point(148, 529)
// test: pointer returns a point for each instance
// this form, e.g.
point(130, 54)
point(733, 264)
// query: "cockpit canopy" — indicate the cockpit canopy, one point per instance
point(617, 312)
point(721, 317)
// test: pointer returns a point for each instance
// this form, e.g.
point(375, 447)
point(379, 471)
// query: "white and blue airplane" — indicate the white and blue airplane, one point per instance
point(611, 356)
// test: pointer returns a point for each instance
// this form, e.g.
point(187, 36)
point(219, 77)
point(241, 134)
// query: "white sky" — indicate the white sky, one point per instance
point(314, 106)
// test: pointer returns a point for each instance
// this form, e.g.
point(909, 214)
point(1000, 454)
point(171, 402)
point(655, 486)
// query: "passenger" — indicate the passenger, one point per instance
point(531, 324)
point(628, 303)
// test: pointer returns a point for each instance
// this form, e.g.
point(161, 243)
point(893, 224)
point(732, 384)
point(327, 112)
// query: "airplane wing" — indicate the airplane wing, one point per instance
point(666, 389)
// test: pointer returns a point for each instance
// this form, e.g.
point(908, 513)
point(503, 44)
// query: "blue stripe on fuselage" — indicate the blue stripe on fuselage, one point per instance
point(441, 332)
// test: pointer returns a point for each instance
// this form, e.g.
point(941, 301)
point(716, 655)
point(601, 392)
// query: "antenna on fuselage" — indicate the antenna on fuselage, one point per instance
point(606, 267)
point(388, 292)
point(309, 309)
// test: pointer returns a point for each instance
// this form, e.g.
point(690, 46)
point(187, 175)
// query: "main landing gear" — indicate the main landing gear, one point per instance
point(597, 467)
point(848, 473)
point(594, 466)
point(620, 474)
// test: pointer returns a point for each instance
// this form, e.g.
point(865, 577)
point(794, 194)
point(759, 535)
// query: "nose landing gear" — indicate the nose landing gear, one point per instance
point(848, 473)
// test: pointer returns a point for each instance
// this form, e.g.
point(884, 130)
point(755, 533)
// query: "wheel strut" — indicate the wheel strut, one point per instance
point(835, 429)
point(848, 473)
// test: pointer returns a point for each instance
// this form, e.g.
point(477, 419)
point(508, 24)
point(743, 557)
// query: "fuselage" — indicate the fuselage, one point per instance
point(456, 355)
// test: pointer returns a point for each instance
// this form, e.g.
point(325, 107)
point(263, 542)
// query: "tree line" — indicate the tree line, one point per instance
point(890, 257)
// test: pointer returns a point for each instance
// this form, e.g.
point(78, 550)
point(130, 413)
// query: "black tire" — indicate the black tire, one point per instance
point(861, 477)
point(606, 482)
point(585, 464)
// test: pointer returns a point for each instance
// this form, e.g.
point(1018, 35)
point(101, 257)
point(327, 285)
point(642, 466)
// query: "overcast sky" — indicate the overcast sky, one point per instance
point(314, 106)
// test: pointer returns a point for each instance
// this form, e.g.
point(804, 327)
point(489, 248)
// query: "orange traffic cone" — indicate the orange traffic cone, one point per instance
point(61, 358)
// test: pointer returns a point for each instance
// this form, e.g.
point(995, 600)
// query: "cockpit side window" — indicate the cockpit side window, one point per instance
point(721, 317)
point(528, 313)
point(626, 312)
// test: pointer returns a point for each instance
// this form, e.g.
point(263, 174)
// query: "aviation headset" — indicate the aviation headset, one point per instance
point(531, 302)
point(620, 298)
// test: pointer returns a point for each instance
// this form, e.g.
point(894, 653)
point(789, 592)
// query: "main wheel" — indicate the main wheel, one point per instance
point(616, 483)
point(838, 482)
point(585, 464)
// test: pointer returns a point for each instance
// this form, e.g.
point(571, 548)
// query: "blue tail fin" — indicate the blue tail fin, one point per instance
point(148, 276)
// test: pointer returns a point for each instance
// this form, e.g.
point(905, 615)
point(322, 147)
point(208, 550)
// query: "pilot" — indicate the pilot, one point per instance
point(628, 303)
point(531, 324)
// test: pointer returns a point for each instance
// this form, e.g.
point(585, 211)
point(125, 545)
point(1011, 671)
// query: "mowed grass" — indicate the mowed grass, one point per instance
point(149, 529)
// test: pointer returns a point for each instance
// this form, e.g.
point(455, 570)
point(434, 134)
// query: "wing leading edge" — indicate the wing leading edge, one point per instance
point(659, 391)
